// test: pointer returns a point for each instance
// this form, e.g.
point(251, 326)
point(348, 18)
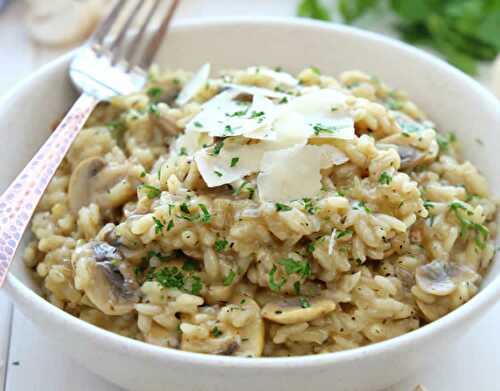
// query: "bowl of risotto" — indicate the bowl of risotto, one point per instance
point(286, 204)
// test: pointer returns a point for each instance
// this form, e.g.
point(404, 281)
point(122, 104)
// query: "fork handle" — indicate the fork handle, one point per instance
point(18, 202)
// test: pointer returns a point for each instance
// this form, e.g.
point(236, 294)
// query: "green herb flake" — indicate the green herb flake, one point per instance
point(169, 277)
point(273, 285)
point(196, 285)
point(216, 332)
point(155, 92)
point(217, 148)
point(310, 247)
point(341, 234)
point(296, 288)
point(220, 245)
point(481, 232)
point(302, 268)
point(183, 151)
point(152, 192)
point(282, 207)
point(234, 161)
point(228, 280)
point(158, 225)
point(170, 225)
point(218, 173)
point(385, 178)
point(318, 129)
point(309, 206)
point(205, 214)
point(184, 208)
point(153, 109)
point(304, 303)
point(198, 124)
point(190, 265)
point(143, 174)
point(283, 100)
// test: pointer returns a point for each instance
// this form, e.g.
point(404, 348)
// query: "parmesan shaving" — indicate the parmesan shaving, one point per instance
point(225, 116)
point(252, 90)
point(331, 156)
point(194, 86)
point(290, 174)
point(232, 163)
point(325, 113)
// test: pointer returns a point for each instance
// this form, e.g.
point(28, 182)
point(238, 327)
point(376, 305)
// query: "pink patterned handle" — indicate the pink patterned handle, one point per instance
point(19, 201)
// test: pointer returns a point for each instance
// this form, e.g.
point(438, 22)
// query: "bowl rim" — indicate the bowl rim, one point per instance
point(107, 340)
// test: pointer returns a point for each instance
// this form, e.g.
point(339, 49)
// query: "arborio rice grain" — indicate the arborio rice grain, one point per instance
point(399, 234)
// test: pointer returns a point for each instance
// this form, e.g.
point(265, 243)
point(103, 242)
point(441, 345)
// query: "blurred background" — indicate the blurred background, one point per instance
point(464, 32)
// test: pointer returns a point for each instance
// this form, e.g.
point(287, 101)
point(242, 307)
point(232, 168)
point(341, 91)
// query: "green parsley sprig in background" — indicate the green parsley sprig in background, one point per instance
point(463, 31)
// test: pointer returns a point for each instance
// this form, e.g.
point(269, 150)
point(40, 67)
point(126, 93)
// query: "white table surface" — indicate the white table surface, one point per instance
point(28, 361)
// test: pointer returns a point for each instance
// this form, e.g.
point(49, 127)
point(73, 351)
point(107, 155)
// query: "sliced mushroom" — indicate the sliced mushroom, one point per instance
point(441, 278)
point(409, 157)
point(92, 181)
point(107, 280)
point(252, 335)
point(245, 341)
point(291, 310)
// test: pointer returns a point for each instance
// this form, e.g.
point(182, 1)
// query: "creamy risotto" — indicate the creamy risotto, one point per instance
point(254, 213)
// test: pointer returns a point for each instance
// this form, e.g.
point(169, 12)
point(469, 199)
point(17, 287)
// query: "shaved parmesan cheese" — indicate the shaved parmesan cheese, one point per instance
point(279, 77)
point(290, 129)
point(232, 163)
point(225, 116)
point(331, 242)
point(191, 142)
point(252, 90)
point(290, 174)
point(331, 156)
point(324, 112)
point(194, 86)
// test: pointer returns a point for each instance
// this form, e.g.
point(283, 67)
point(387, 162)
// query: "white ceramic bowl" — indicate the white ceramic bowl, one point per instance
point(452, 99)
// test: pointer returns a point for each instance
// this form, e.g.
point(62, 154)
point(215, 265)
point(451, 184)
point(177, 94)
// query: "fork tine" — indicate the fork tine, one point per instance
point(155, 42)
point(116, 46)
point(129, 54)
point(107, 23)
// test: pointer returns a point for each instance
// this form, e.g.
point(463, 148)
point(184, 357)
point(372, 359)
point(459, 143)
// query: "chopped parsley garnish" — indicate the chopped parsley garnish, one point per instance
point(256, 114)
point(428, 205)
point(216, 332)
point(184, 208)
point(444, 141)
point(318, 128)
point(283, 100)
point(151, 191)
point(158, 225)
point(385, 178)
point(205, 214)
point(218, 173)
point(240, 113)
point(143, 174)
point(310, 247)
point(309, 206)
point(228, 280)
point(482, 233)
point(169, 277)
point(183, 151)
point(341, 234)
point(304, 303)
point(273, 285)
point(190, 265)
point(153, 109)
point(198, 124)
point(245, 186)
point(362, 205)
point(296, 288)
point(170, 225)
point(234, 161)
point(217, 148)
point(316, 70)
point(282, 207)
point(393, 104)
point(302, 268)
point(220, 245)
point(196, 285)
point(155, 92)
point(228, 129)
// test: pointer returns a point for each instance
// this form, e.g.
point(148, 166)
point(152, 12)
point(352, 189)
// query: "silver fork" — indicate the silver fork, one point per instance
point(101, 69)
